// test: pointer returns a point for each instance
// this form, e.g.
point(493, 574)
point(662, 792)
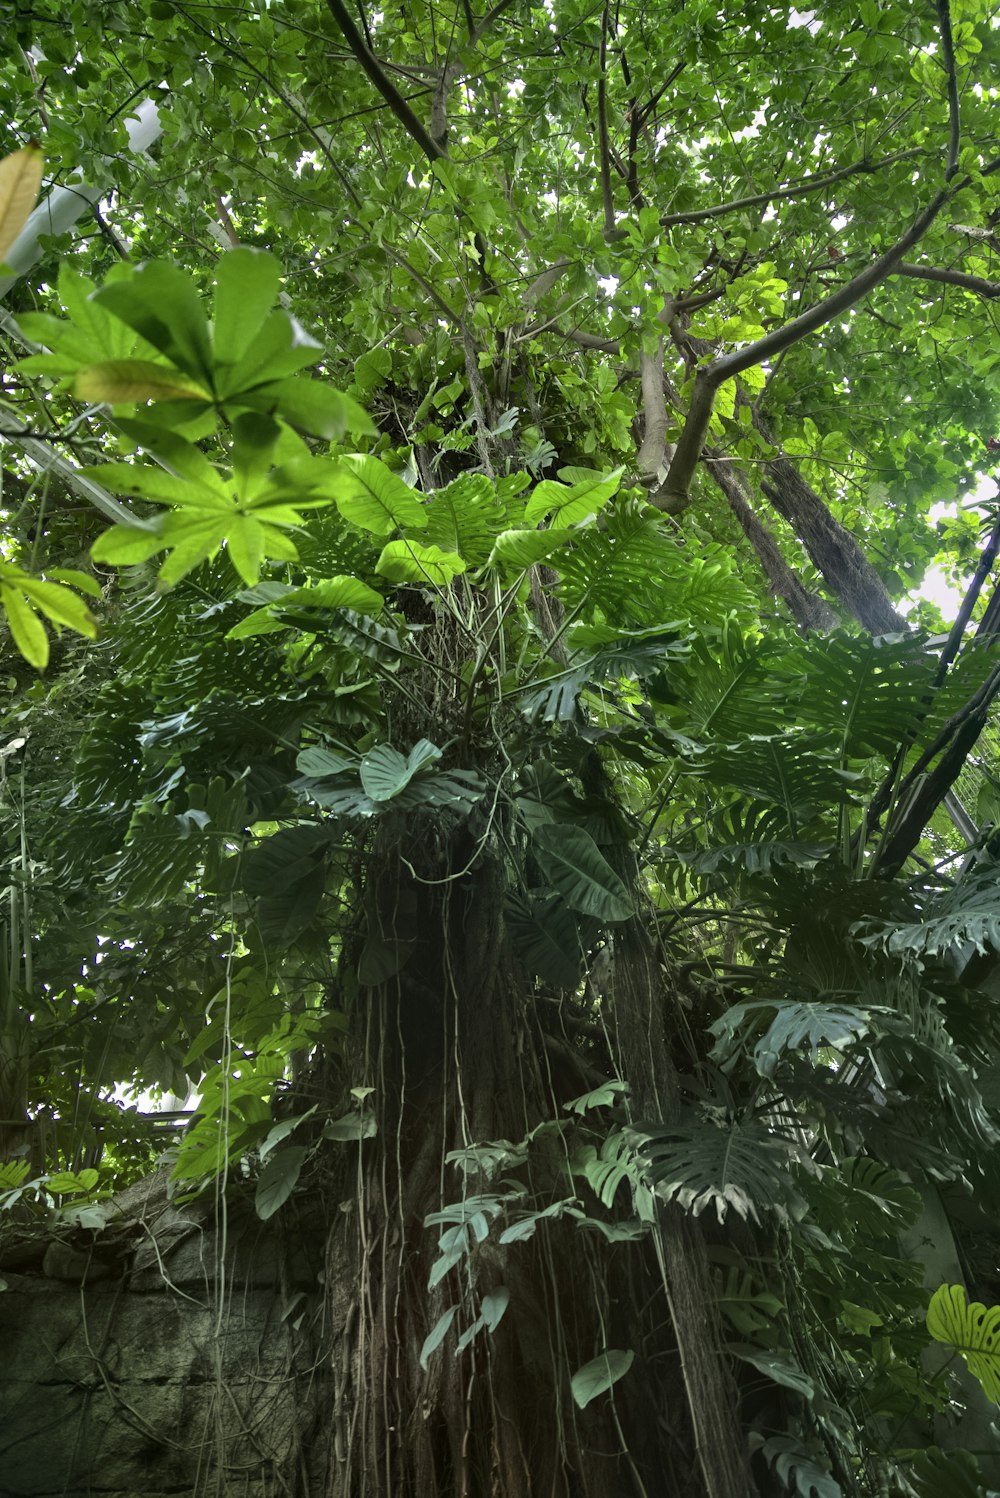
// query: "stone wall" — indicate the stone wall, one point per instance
point(164, 1357)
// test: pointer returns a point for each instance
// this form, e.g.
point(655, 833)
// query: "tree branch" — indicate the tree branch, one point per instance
point(790, 190)
point(487, 21)
point(677, 488)
point(602, 132)
point(378, 76)
point(976, 284)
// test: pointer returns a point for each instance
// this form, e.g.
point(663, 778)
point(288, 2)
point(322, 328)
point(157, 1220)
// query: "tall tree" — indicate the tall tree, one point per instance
point(506, 784)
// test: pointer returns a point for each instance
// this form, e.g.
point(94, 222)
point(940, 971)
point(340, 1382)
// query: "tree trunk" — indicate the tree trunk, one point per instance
point(461, 1051)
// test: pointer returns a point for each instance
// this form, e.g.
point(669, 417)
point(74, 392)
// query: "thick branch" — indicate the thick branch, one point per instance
point(808, 610)
point(677, 488)
point(653, 453)
point(977, 284)
point(927, 795)
point(378, 76)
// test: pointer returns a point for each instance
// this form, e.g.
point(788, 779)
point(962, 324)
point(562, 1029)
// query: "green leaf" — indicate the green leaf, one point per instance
point(352, 1127)
point(437, 1335)
point(523, 549)
point(278, 1180)
point(599, 1375)
point(571, 503)
point(20, 182)
point(385, 772)
point(776, 1366)
point(573, 864)
point(794, 1026)
point(282, 1130)
point(27, 631)
point(493, 1306)
point(312, 406)
point(246, 287)
point(411, 562)
point(127, 545)
point(370, 495)
point(738, 1165)
point(973, 1330)
point(162, 304)
point(118, 381)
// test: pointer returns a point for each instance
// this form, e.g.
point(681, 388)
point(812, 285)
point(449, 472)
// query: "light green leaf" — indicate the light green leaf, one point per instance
point(598, 1376)
point(352, 1126)
point(571, 503)
point(493, 1306)
point(126, 545)
point(162, 304)
point(973, 1330)
point(20, 182)
point(371, 496)
point(523, 549)
point(118, 381)
point(27, 630)
point(316, 408)
point(411, 562)
point(246, 288)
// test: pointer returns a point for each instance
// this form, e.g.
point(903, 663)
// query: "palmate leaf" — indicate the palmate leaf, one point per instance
point(870, 692)
point(798, 773)
point(734, 687)
point(27, 600)
point(740, 1165)
point(466, 516)
point(973, 1330)
point(947, 1474)
point(966, 915)
point(797, 1468)
point(795, 1026)
point(633, 571)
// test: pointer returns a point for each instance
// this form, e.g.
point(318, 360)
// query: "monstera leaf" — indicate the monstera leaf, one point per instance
point(743, 1166)
point(973, 1330)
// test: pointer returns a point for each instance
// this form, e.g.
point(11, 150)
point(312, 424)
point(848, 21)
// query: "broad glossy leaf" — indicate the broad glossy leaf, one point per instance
point(599, 1375)
point(371, 496)
point(385, 772)
point(571, 503)
point(573, 864)
point(411, 562)
point(523, 549)
point(972, 1329)
point(278, 1180)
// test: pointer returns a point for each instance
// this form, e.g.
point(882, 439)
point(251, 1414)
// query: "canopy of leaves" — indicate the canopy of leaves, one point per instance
point(464, 481)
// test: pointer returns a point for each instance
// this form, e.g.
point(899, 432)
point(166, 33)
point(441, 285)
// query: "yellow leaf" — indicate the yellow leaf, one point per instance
point(20, 179)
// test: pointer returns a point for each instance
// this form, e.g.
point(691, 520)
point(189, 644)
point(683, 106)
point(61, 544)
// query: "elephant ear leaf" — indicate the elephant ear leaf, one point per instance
point(971, 1329)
